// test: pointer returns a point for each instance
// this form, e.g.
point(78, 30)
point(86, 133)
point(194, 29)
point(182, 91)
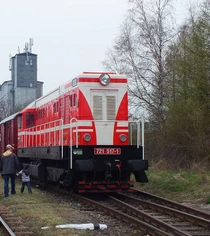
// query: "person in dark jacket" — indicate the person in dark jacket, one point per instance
point(9, 166)
point(25, 179)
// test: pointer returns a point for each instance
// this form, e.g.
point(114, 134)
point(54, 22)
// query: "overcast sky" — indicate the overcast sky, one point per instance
point(70, 36)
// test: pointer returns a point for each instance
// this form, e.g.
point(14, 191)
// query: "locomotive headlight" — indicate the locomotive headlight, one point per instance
point(104, 79)
point(123, 138)
point(87, 137)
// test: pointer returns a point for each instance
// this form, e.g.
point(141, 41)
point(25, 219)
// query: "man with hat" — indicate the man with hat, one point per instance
point(9, 166)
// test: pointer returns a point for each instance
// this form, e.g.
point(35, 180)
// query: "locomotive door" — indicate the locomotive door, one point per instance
point(104, 113)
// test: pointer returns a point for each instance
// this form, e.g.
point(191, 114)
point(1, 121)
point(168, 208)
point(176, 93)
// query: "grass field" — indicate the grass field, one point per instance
point(179, 185)
point(39, 210)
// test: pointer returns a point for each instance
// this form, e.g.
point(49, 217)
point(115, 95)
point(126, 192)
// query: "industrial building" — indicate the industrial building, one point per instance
point(23, 87)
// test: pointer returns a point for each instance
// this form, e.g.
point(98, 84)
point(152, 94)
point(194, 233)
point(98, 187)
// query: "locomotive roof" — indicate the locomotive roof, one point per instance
point(30, 105)
point(9, 118)
point(47, 94)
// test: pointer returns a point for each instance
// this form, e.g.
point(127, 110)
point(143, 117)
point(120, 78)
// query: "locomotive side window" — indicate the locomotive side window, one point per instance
point(55, 107)
point(73, 100)
point(110, 107)
point(97, 107)
point(70, 100)
point(29, 120)
point(19, 120)
point(37, 115)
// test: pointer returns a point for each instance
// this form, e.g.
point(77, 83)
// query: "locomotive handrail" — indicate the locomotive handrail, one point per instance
point(71, 138)
point(140, 129)
point(139, 123)
point(37, 131)
point(142, 136)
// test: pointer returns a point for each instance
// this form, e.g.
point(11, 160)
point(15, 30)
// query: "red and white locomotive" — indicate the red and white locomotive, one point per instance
point(78, 135)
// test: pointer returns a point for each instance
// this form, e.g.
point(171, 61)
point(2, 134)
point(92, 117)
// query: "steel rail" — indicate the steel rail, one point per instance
point(150, 219)
point(6, 227)
point(171, 211)
point(146, 227)
point(175, 205)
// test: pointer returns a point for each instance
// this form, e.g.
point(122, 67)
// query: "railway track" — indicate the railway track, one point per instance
point(174, 221)
point(150, 214)
point(12, 224)
point(169, 203)
point(152, 218)
point(6, 230)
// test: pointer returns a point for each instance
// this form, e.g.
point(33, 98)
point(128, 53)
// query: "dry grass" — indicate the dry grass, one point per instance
point(180, 185)
point(40, 209)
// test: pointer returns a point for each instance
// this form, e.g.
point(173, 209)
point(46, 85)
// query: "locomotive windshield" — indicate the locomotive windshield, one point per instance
point(29, 120)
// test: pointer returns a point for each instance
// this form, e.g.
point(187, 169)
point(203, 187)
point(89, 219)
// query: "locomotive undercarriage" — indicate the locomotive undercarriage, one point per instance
point(84, 171)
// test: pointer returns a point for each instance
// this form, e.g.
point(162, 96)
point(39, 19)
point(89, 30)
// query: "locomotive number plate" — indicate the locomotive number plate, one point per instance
point(107, 151)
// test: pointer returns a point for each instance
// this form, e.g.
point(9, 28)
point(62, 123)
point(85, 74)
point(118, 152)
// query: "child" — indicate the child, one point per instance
point(25, 179)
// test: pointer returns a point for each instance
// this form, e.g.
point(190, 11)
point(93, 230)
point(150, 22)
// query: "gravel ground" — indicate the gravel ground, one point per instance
point(42, 209)
point(79, 216)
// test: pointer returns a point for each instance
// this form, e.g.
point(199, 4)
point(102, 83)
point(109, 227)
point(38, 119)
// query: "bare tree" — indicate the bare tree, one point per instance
point(5, 109)
point(140, 52)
